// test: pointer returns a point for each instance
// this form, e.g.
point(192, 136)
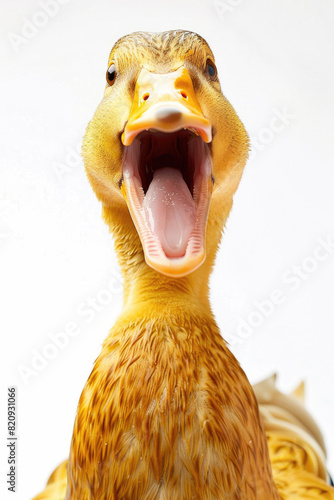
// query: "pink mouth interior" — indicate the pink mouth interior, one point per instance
point(170, 210)
point(166, 177)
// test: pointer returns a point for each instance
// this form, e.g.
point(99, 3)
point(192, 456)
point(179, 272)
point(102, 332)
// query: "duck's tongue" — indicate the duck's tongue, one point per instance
point(170, 210)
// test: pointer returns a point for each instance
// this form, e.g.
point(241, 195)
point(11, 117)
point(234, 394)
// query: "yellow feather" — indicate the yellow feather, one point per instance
point(167, 412)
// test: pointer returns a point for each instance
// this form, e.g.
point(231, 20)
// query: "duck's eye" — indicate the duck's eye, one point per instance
point(211, 69)
point(111, 74)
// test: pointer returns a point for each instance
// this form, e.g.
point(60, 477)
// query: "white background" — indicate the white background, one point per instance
point(55, 252)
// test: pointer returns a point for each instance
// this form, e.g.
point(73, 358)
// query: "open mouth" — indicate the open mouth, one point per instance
point(167, 183)
point(167, 171)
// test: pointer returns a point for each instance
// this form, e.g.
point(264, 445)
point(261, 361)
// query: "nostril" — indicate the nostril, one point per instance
point(145, 97)
point(184, 95)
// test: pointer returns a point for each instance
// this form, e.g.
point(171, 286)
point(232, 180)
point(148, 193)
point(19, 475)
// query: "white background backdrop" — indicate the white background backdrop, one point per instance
point(56, 254)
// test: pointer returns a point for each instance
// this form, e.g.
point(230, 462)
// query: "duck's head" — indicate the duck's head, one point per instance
point(165, 151)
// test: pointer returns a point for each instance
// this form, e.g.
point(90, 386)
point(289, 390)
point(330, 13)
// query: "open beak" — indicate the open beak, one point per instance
point(167, 171)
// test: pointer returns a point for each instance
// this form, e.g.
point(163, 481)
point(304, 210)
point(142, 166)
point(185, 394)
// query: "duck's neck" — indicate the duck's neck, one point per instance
point(150, 290)
point(177, 414)
point(145, 288)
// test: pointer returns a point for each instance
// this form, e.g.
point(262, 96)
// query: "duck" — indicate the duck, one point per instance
point(167, 412)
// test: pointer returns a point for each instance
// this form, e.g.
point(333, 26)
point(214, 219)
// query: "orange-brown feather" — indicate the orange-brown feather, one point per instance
point(167, 412)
